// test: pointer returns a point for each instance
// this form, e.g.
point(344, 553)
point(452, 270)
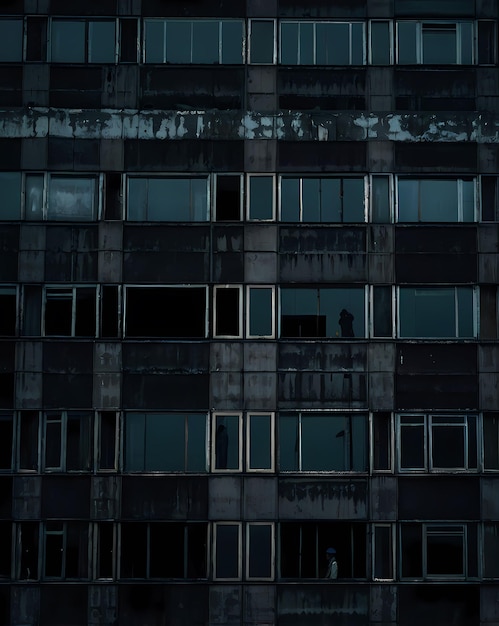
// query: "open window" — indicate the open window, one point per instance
point(259, 551)
point(61, 197)
point(83, 41)
point(70, 312)
point(8, 311)
point(68, 441)
point(436, 200)
point(382, 309)
point(28, 541)
point(260, 442)
point(491, 550)
point(169, 312)
point(28, 438)
point(381, 47)
point(323, 442)
point(435, 42)
point(491, 441)
point(227, 551)
point(107, 459)
point(228, 311)
point(228, 197)
point(382, 442)
point(165, 442)
point(66, 550)
point(260, 190)
point(226, 437)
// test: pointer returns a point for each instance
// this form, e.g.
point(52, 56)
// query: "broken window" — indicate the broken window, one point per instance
point(383, 552)
point(227, 440)
point(6, 440)
point(262, 41)
point(83, 41)
point(446, 312)
point(437, 442)
point(104, 549)
point(228, 311)
point(491, 441)
point(27, 546)
point(260, 442)
point(8, 311)
point(337, 312)
point(164, 550)
point(68, 441)
point(436, 200)
point(108, 446)
point(10, 182)
point(303, 549)
point(435, 42)
point(261, 197)
point(322, 199)
point(28, 440)
point(323, 442)
point(227, 557)
point(70, 312)
point(65, 550)
point(322, 43)
point(168, 199)
point(168, 312)
point(193, 41)
point(433, 551)
point(165, 442)
point(491, 550)
point(260, 551)
point(381, 42)
point(61, 197)
point(11, 40)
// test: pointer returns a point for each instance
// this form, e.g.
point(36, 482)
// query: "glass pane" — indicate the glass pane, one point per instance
point(331, 200)
point(353, 200)
point(311, 211)
point(135, 438)
point(10, 202)
point(102, 42)
point(137, 199)
point(11, 40)
point(333, 43)
point(165, 442)
point(491, 550)
point(412, 443)
point(382, 311)
point(325, 443)
point(448, 447)
point(306, 43)
point(79, 441)
point(439, 201)
point(465, 312)
point(68, 41)
point(427, 312)
point(408, 201)
point(53, 438)
point(28, 445)
point(227, 442)
point(439, 43)
point(445, 555)
point(288, 443)
point(227, 557)
point(344, 310)
point(178, 41)
point(290, 199)
point(468, 187)
point(289, 43)
point(261, 206)
point(466, 41)
point(357, 43)
point(382, 441)
point(380, 190)
point(196, 442)
point(411, 551)
point(260, 311)
point(177, 199)
point(154, 41)
point(260, 551)
point(205, 41)
point(71, 198)
point(260, 452)
point(34, 197)
point(232, 42)
point(406, 39)
point(383, 553)
point(6, 433)
point(262, 41)
point(107, 440)
point(380, 43)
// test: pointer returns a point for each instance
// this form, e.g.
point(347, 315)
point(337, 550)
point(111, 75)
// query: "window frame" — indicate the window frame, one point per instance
point(393, 542)
point(62, 417)
point(73, 291)
point(213, 196)
point(96, 549)
point(240, 443)
point(251, 21)
point(249, 526)
point(6, 289)
point(217, 525)
point(22, 21)
point(431, 529)
point(391, 198)
point(249, 289)
point(98, 440)
point(390, 443)
point(87, 39)
point(221, 288)
point(249, 178)
point(419, 40)
point(63, 531)
point(372, 312)
point(391, 52)
point(248, 443)
point(40, 428)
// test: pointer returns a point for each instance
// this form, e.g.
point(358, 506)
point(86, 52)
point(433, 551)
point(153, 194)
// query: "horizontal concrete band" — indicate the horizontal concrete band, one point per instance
point(236, 124)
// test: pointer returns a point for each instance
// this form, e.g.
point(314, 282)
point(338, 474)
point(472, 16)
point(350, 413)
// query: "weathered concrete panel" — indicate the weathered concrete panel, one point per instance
point(226, 356)
point(110, 263)
point(224, 498)
point(314, 389)
point(107, 390)
point(260, 357)
point(24, 605)
point(102, 605)
point(31, 266)
point(490, 501)
point(383, 604)
point(260, 237)
point(488, 268)
point(383, 498)
point(326, 499)
point(259, 605)
point(260, 155)
point(260, 498)
point(488, 391)
point(313, 356)
point(380, 155)
point(112, 155)
point(488, 238)
point(29, 356)
point(260, 390)
point(488, 358)
point(381, 238)
point(381, 391)
point(260, 267)
point(381, 357)
point(27, 493)
point(226, 391)
point(105, 495)
point(380, 269)
point(107, 357)
point(322, 267)
point(29, 390)
point(225, 605)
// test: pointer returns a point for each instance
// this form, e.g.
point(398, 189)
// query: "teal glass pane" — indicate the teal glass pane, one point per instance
point(357, 44)
point(288, 443)
point(227, 557)
point(290, 199)
point(380, 43)
point(427, 313)
point(260, 312)
point(329, 199)
point(406, 39)
point(323, 443)
point(11, 40)
point(466, 42)
point(439, 200)
point(71, 198)
point(178, 41)
point(196, 442)
point(261, 203)
point(102, 42)
point(439, 44)
point(227, 442)
point(468, 187)
point(299, 301)
point(333, 43)
point(358, 448)
point(353, 200)
point(198, 205)
point(168, 199)
point(351, 301)
point(260, 442)
point(408, 201)
point(289, 43)
point(262, 41)
point(465, 312)
point(165, 442)
point(134, 442)
point(154, 41)
point(137, 199)
point(205, 42)
point(380, 192)
point(311, 211)
point(232, 42)
point(10, 202)
point(306, 43)
point(68, 41)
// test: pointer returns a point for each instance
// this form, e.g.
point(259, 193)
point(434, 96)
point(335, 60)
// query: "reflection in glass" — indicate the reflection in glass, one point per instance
point(71, 198)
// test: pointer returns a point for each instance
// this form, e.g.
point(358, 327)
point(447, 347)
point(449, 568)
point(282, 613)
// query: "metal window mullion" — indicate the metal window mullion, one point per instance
point(314, 43)
point(424, 550)
point(350, 43)
point(460, 199)
point(300, 199)
point(465, 426)
point(191, 47)
point(87, 42)
point(456, 312)
point(220, 40)
point(459, 41)
point(165, 60)
point(45, 194)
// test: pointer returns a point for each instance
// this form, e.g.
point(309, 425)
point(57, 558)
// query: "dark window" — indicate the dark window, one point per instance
point(382, 438)
point(5, 549)
point(66, 550)
point(228, 198)
point(227, 438)
point(109, 310)
point(261, 198)
point(262, 39)
point(78, 41)
point(28, 540)
point(70, 312)
point(228, 311)
point(28, 440)
point(227, 551)
point(68, 441)
point(259, 551)
point(383, 552)
point(6, 441)
point(105, 550)
point(107, 440)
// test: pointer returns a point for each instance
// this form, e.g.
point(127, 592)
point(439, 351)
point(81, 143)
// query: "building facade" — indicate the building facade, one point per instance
point(249, 312)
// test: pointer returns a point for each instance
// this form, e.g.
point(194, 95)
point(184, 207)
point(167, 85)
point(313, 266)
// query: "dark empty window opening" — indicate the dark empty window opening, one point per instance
point(28, 440)
point(6, 440)
point(228, 198)
point(68, 441)
point(5, 549)
point(228, 311)
point(166, 312)
point(28, 541)
point(105, 550)
point(66, 550)
point(8, 311)
point(70, 312)
point(108, 425)
point(109, 311)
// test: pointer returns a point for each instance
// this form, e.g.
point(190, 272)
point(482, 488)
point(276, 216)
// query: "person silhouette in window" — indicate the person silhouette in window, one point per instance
point(346, 323)
point(332, 564)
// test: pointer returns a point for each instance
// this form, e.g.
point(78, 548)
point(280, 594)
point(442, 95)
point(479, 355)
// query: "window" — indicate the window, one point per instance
point(227, 442)
point(322, 199)
point(82, 41)
point(302, 549)
point(447, 312)
point(104, 550)
point(169, 312)
point(193, 41)
point(11, 40)
point(66, 550)
point(260, 442)
point(261, 197)
point(437, 442)
point(169, 199)
point(260, 303)
point(433, 551)
point(28, 426)
point(381, 42)
point(383, 552)
point(435, 42)
point(262, 42)
point(8, 311)
point(28, 548)
point(382, 304)
point(6, 440)
point(381, 199)
point(382, 441)
point(322, 43)
point(61, 197)
point(491, 441)
point(491, 550)
point(323, 442)
point(337, 312)
point(227, 544)
point(163, 550)
point(260, 551)
point(68, 441)
point(228, 311)
point(165, 442)
point(228, 197)
point(108, 444)
point(436, 200)
point(70, 312)
point(10, 204)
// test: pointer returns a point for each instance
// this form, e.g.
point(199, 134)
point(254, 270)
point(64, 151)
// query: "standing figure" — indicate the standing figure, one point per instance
point(346, 323)
point(332, 565)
